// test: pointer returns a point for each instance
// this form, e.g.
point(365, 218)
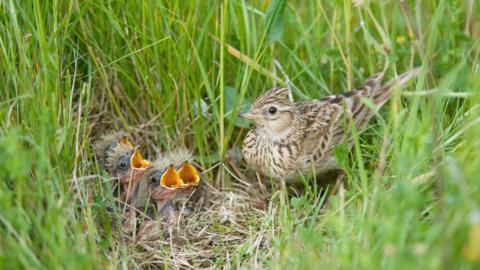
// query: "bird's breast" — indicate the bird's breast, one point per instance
point(273, 158)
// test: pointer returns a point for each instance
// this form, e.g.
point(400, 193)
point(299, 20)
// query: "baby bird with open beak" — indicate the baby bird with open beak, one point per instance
point(138, 167)
point(170, 177)
point(122, 161)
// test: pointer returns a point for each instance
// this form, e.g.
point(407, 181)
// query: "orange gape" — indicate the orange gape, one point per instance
point(138, 167)
point(171, 179)
point(189, 174)
point(137, 162)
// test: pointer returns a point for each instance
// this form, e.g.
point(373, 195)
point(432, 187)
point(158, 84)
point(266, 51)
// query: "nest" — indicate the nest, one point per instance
point(201, 231)
point(201, 237)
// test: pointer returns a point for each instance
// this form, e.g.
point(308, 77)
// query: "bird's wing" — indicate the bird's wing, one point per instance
point(325, 127)
point(321, 119)
point(330, 118)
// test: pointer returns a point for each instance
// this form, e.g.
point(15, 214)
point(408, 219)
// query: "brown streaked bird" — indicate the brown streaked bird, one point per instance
point(292, 138)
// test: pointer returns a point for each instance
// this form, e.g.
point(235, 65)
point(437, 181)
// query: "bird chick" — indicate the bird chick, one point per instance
point(138, 167)
point(158, 186)
point(122, 161)
point(162, 182)
point(181, 159)
point(110, 148)
point(291, 138)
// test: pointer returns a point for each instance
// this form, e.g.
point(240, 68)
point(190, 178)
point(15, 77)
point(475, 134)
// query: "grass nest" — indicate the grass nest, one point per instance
point(212, 233)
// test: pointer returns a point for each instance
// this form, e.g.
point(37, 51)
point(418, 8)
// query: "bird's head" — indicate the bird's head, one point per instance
point(131, 170)
point(128, 170)
point(122, 169)
point(129, 165)
point(119, 159)
point(162, 184)
point(273, 112)
point(110, 148)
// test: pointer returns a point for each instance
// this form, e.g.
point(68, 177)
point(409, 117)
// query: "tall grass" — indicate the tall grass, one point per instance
point(177, 73)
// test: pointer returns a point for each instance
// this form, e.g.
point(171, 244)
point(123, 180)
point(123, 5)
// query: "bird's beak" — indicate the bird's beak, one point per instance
point(125, 141)
point(139, 168)
point(137, 162)
point(170, 179)
point(189, 174)
point(248, 115)
point(169, 186)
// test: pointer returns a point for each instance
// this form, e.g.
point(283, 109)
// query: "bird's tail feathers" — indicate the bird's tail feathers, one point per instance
point(375, 90)
point(381, 96)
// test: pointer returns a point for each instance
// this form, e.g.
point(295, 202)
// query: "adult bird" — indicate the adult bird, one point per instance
point(292, 138)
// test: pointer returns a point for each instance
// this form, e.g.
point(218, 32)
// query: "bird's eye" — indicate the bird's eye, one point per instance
point(155, 180)
point(123, 165)
point(272, 110)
